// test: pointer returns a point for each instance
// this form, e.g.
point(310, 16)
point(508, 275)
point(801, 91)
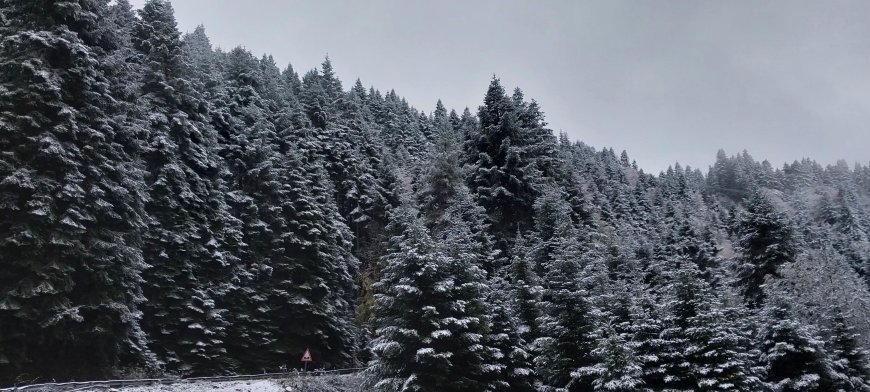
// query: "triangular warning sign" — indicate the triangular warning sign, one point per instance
point(307, 356)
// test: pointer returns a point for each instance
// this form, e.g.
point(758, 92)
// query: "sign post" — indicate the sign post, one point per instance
point(306, 358)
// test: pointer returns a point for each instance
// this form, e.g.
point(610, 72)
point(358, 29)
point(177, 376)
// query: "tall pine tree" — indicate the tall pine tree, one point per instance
point(429, 324)
point(71, 197)
point(765, 242)
point(191, 236)
point(792, 356)
point(503, 171)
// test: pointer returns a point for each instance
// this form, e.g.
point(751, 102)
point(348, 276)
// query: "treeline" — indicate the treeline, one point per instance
point(169, 207)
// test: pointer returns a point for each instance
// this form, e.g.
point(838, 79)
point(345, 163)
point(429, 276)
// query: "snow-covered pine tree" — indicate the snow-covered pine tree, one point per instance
point(203, 59)
point(792, 356)
point(850, 237)
point(445, 201)
point(539, 142)
point(350, 153)
point(429, 327)
point(697, 246)
point(311, 286)
point(724, 359)
point(472, 347)
point(122, 67)
point(191, 236)
point(513, 356)
point(443, 177)
point(683, 298)
point(566, 323)
point(247, 144)
point(315, 282)
point(298, 279)
point(502, 174)
point(401, 131)
point(850, 367)
point(552, 223)
point(375, 178)
point(71, 196)
point(713, 354)
point(646, 328)
point(617, 365)
point(765, 242)
point(525, 289)
point(616, 368)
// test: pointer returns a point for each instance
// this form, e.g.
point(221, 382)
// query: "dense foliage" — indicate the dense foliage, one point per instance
point(168, 207)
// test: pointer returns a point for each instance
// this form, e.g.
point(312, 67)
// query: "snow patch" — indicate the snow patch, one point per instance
point(229, 386)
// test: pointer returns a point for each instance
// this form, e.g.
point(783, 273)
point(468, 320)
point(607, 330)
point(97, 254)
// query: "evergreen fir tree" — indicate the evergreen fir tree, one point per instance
point(710, 353)
point(850, 368)
point(350, 155)
point(247, 143)
point(566, 322)
point(191, 235)
point(683, 305)
point(468, 257)
point(297, 284)
point(793, 358)
point(428, 322)
point(766, 242)
point(513, 356)
point(502, 172)
point(525, 290)
point(646, 328)
point(71, 196)
point(617, 368)
point(311, 287)
point(442, 178)
point(445, 201)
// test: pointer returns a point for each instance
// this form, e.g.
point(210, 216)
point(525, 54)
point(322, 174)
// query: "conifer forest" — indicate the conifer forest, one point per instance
point(171, 208)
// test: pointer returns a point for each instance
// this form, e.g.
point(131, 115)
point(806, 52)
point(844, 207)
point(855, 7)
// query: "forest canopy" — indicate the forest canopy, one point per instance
point(168, 207)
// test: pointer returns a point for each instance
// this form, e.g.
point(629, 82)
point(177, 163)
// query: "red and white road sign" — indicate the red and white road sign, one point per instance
point(307, 356)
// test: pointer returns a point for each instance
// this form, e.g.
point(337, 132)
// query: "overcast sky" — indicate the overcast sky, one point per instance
point(666, 80)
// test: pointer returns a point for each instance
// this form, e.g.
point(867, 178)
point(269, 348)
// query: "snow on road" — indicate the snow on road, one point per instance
point(323, 383)
point(229, 386)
